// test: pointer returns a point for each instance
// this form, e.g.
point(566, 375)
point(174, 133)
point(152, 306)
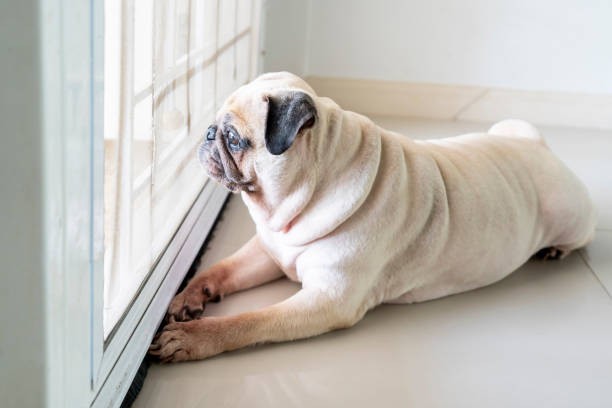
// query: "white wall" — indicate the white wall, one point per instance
point(22, 301)
point(285, 35)
point(560, 45)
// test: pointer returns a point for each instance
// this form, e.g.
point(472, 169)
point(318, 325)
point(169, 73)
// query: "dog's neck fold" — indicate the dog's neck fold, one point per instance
point(345, 153)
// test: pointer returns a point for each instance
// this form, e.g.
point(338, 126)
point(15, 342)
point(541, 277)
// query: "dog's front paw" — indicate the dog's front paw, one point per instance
point(184, 341)
point(190, 303)
point(187, 305)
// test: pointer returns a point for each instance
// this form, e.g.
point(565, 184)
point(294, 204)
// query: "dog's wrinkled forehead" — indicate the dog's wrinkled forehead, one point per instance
point(248, 100)
point(272, 110)
point(280, 80)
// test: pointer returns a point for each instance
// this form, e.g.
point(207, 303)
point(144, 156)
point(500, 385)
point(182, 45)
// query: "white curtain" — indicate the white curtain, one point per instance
point(169, 64)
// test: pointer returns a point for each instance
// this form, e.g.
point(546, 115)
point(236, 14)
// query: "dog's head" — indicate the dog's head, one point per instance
point(260, 135)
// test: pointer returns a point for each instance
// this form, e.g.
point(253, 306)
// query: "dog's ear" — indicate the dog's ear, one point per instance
point(288, 115)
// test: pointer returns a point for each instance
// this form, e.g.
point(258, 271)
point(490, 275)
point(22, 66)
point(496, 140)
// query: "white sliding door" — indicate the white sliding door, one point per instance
point(124, 205)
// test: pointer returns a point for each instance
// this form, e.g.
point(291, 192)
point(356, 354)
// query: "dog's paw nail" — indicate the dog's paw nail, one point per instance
point(183, 314)
point(196, 314)
point(155, 352)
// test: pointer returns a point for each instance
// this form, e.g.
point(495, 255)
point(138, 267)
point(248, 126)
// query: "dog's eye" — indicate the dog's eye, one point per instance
point(233, 141)
point(210, 133)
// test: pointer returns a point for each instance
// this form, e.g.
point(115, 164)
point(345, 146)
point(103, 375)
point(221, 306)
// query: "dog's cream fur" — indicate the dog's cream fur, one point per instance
point(363, 216)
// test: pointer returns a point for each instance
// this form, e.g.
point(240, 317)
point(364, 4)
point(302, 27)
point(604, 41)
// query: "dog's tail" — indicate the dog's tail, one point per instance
point(517, 128)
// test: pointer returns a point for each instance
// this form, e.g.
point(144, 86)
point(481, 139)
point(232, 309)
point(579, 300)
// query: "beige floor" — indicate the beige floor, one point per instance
point(540, 338)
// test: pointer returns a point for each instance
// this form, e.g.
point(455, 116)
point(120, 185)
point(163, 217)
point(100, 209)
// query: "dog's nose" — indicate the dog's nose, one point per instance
point(211, 132)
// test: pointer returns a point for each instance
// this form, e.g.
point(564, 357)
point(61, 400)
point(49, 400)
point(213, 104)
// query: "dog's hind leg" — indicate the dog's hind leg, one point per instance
point(557, 252)
point(551, 253)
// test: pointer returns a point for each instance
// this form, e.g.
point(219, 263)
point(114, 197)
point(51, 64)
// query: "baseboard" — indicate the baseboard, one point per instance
point(460, 102)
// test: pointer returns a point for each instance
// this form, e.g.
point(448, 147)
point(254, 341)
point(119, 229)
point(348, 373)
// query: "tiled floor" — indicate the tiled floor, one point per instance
point(540, 338)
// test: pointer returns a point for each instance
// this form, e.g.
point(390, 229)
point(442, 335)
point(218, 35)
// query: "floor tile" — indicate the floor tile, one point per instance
point(589, 154)
point(598, 256)
point(235, 218)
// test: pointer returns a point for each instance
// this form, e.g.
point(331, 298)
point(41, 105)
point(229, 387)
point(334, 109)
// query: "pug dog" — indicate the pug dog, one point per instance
point(363, 216)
